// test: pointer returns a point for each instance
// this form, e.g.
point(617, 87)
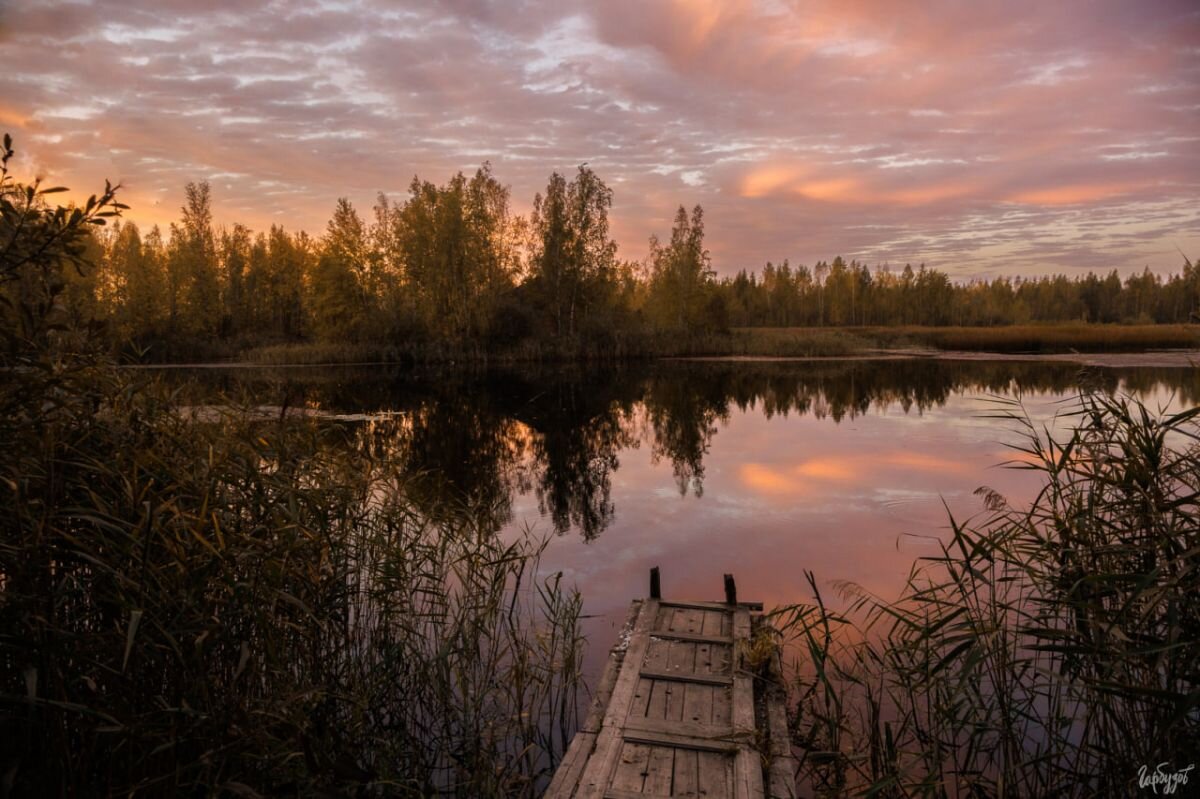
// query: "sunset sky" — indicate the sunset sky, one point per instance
point(1011, 137)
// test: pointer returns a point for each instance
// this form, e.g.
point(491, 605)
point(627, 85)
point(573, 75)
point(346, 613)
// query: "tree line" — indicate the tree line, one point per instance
point(851, 294)
point(453, 263)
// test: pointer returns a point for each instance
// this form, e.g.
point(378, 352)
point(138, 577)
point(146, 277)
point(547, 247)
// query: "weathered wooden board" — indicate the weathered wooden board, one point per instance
point(679, 719)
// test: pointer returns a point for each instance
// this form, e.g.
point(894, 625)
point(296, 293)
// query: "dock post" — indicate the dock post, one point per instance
point(655, 587)
point(730, 590)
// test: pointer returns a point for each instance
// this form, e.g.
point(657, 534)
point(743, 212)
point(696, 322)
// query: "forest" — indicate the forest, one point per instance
point(452, 265)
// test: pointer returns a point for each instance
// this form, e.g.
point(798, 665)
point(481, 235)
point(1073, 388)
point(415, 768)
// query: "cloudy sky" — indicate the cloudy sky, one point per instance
point(1022, 136)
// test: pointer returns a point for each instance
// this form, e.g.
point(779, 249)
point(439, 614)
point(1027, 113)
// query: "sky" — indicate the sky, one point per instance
point(982, 138)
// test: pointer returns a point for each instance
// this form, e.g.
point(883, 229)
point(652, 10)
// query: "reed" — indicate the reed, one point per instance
point(1052, 650)
point(255, 608)
point(1041, 338)
point(221, 604)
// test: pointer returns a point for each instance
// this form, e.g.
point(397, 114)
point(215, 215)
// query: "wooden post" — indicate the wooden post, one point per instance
point(730, 590)
point(655, 587)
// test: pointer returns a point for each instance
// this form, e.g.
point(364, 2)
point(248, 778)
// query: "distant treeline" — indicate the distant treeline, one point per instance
point(453, 264)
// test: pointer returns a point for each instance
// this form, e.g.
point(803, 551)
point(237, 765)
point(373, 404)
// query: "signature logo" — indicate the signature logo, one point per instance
point(1169, 781)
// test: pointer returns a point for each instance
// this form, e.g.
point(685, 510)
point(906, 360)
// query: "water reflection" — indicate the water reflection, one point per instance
point(472, 439)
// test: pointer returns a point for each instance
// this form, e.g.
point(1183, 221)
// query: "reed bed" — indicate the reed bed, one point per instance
point(780, 342)
point(1031, 338)
point(1039, 338)
point(600, 347)
point(254, 608)
point(1052, 650)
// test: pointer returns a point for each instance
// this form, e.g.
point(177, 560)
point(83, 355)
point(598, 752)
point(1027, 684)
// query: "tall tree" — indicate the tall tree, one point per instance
point(572, 256)
point(458, 251)
point(339, 301)
point(681, 274)
point(195, 301)
point(235, 258)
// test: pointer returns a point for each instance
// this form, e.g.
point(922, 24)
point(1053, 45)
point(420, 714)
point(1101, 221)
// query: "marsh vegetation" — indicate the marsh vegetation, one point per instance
point(231, 606)
point(1051, 649)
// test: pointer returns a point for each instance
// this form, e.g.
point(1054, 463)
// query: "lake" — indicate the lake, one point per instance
point(848, 469)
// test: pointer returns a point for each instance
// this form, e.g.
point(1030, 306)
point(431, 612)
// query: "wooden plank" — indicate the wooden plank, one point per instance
point(611, 794)
point(687, 774)
point(687, 676)
point(567, 775)
point(660, 771)
point(666, 619)
point(630, 774)
point(657, 651)
point(692, 620)
point(715, 774)
point(673, 603)
point(723, 659)
point(666, 701)
point(600, 765)
point(685, 735)
point(714, 622)
point(569, 771)
point(704, 658)
point(681, 658)
point(781, 773)
point(698, 703)
point(723, 707)
point(612, 669)
point(702, 638)
point(641, 699)
point(666, 697)
point(747, 768)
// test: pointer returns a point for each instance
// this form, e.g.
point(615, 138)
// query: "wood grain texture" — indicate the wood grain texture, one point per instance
point(680, 719)
point(602, 763)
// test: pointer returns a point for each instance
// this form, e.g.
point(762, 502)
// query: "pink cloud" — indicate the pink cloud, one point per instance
point(1019, 137)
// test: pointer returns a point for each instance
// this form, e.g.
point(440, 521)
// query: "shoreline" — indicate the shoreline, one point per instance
point(1182, 359)
point(1171, 359)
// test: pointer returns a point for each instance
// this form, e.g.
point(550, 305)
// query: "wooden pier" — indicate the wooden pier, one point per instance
point(683, 709)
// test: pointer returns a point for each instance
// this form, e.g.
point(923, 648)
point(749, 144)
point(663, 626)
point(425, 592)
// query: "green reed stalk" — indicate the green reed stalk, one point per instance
point(232, 606)
point(1048, 650)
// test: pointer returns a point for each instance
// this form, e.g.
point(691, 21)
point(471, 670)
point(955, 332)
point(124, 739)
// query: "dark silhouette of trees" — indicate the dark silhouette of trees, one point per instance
point(681, 277)
point(572, 257)
point(456, 244)
point(451, 265)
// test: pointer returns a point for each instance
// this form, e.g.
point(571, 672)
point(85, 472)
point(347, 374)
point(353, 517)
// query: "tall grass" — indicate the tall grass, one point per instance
point(599, 347)
point(1029, 338)
point(1052, 650)
point(1038, 338)
point(255, 609)
point(766, 342)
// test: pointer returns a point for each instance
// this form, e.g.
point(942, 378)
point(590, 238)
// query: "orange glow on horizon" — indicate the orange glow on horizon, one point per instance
point(12, 117)
point(774, 181)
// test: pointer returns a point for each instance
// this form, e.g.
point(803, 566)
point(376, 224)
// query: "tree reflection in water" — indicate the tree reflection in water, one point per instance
point(470, 439)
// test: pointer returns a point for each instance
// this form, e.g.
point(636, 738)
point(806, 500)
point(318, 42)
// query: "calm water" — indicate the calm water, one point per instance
point(844, 468)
